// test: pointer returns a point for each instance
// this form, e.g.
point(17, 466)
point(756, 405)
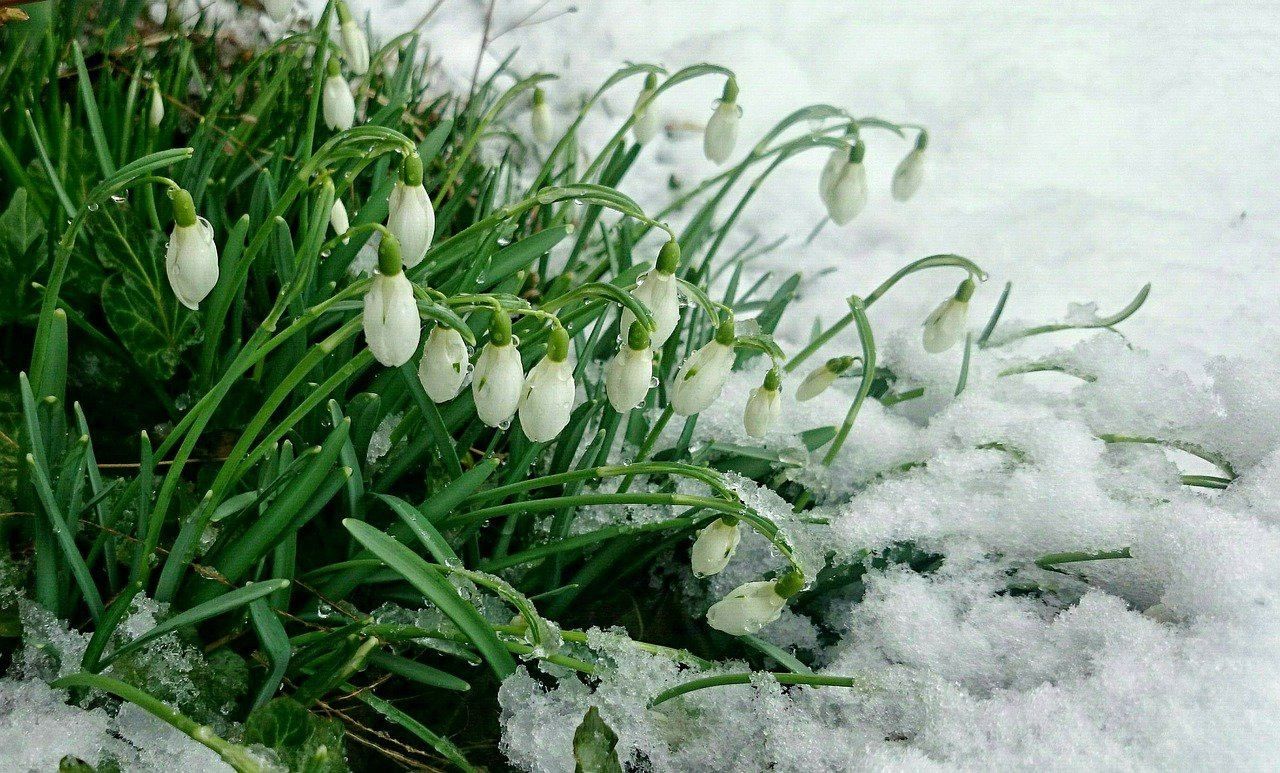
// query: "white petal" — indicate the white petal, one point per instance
point(497, 383)
point(722, 132)
point(339, 105)
point(392, 327)
point(647, 121)
point(658, 292)
point(548, 400)
point(815, 383)
point(356, 47)
point(701, 378)
point(338, 218)
point(848, 194)
point(412, 219)
point(746, 609)
point(830, 174)
point(945, 326)
point(540, 120)
point(157, 107)
point(443, 367)
point(714, 547)
point(908, 176)
point(627, 378)
point(763, 408)
point(191, 262)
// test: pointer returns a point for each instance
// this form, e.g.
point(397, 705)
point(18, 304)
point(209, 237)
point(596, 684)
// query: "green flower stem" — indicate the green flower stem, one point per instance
point(599, 473)
point(394, 632)
point(234, 755)
point(1212, 457)
point(579, 541)
point(552, 503)
point(581, 637)
point(810, 680)
point(647, 446)
point(1054, 559)
point(1107, 322)
point(859, 311)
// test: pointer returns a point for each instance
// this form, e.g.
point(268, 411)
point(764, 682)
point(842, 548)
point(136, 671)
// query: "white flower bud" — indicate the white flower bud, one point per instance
point(338, 218)
point(657, 291)
point(278, 10)
point(191, 259)
point(830, 173)
point(946, 325)
point(443, 367)
point(391, 323)
point(628, 375)
point(339, 104)
point(752, 606)
point(355, 46)
point(412, 218)
point(156, 114)
point(822, 377)
point(647, 121)
point(540, 117)
point(763, 406)
point(722, 132)
point(549, 391)
point(701, 378)
point(908, 176)
point(498, 379)
point(848, 192)
point(714, 547)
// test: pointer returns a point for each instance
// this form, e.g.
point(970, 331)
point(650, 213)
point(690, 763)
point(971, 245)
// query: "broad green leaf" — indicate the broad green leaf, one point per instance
point(150, 322)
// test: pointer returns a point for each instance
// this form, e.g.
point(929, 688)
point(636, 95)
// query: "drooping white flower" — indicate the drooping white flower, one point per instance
point(443, 368)
point(658, 291)
point(752, 606)
point(392, 326)
point(830, 173)
point(498, 379)
point(722, 130)
point(410, 215)
point(714, 547)
point(547, 401)
point(156, 114)
point(540, 117)
point(628, 376)
point(278, 10)
point(352, 41)
point(339, 105)
point(338, 218)
point(847, 194)
point(764, 405)
point(822, 377)
point(701, 378)
point(946, 324)
point(647, 121)
point(191, 259)
point(910, 172)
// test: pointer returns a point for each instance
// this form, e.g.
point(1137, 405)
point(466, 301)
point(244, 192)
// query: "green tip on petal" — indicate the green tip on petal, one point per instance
point(557, 343)
point(725, 334)
point(411, 172)
point(730, 93)
point(773, 380)
point(390, 262)
point(500, 328)
point(669, 257)
point(184, 209)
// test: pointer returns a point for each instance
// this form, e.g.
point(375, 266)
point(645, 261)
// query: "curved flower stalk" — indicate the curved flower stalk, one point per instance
point(540, 117)
point(191, 259)
point(764, 405)
point(658, 291)
point(629, 375)
point(752, 606)
point(339, 104)
point(410, 215)
point(945, 325)
point(715, 545)
point(701, 378)
point(646, 120)
point(822, 377)
point(722, 130)
point(498, 378)
point(445, 364)
point(352, 40)
point(392, 327)
point(910, 172)
point(549, 391)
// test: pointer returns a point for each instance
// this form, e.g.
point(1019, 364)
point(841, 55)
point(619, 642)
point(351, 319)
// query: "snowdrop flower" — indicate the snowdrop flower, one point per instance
point(629, 375)
point(846, 193)
point(830, 173)
point(391, 323)
point(764, 405)
point(156, 115)
point(822, 377)
point(647, 121)
point(338, 218)
point(722, 130)
point(715, 546)
point(352, 40)
point(339, 105)
point(444, 364)
point(752, 606)
point(548, 391)
point(410, 215)
point(910, 172)
point(499, 375)
point(540, 117)
point(702, 376)
point(191, 259)
point(278, 10)
point(945, 326)
point(657, 291)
